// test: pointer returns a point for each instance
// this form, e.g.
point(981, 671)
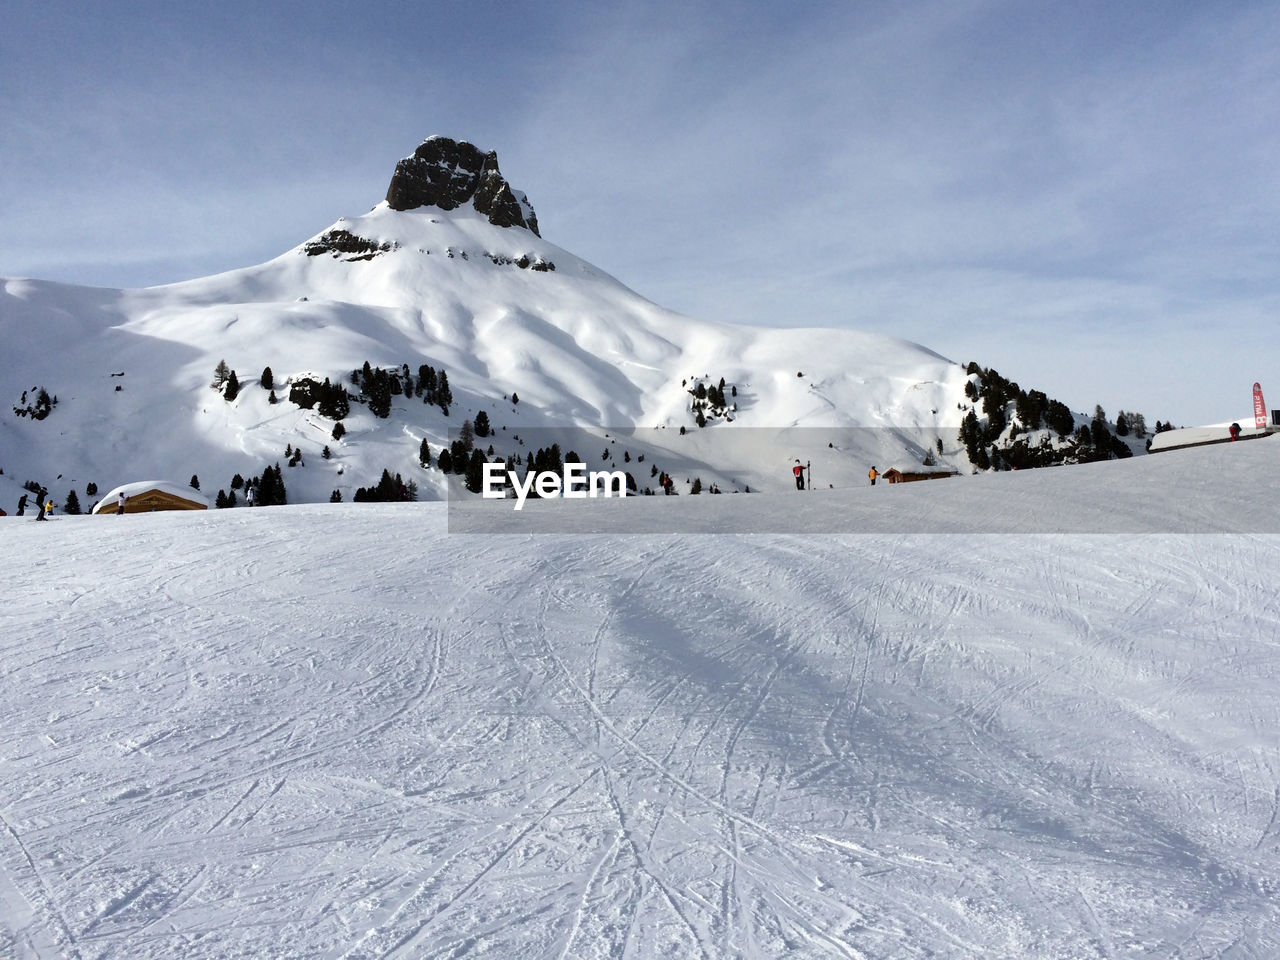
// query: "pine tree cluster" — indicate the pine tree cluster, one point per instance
point(39, 408)
point(1033, 411)
point(709, 398)
point(269, 488)
point(329, 399)
point(388, 489)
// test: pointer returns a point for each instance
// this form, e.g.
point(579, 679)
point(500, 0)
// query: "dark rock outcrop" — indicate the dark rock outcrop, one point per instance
point(447, 173)
point(340, 242)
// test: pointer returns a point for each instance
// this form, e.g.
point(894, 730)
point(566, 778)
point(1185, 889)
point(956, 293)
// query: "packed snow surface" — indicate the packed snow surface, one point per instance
point(339, 731)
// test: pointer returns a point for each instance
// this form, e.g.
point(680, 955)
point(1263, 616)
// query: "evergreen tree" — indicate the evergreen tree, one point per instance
point(1122, 424)
point(467, 435)
point(1059, 418)
point(338, 431)
point(444, 396)
point(427, 384)
point(72, 506)
point(482, 424)
point(220, 501)
point(386, 489)
point(267, 379)
point(195, 482)
point(237, 482)
point(269, 489)
point(333, 401)
point(233, 387)
point(326, 452)
point(378, 390)
point(90, 488)
point(697, 486)
point(272, 398)
point(445, 461)
point(514, 398)
point(1101, 436)
point(335, 497)
point(475, 471)
point(460, 456)
point(424, 453)
point(971, 436)
point(220, 374)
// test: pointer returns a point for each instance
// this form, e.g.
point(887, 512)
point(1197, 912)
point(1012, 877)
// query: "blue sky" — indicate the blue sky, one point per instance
point(1084, 196)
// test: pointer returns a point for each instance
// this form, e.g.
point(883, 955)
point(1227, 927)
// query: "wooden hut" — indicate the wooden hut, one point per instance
point(150, 496)
point(894, 475)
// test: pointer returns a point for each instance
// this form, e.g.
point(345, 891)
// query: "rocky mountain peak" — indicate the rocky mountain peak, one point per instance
point(448, 173)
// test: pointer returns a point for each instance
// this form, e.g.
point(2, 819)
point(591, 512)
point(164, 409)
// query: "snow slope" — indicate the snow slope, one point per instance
point(337, 731)
point(132, 368)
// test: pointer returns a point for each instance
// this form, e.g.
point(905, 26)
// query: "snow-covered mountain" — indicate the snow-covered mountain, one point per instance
point(449, 271)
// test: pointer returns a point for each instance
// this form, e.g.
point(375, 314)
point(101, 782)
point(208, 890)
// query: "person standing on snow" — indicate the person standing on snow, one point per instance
point(872, 474)
point(22, 505)
point(1235, 431)
point(798, 470)
point(40, 503)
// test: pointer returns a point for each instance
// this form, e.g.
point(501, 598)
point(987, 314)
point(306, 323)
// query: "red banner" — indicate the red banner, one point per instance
point(1259, 408)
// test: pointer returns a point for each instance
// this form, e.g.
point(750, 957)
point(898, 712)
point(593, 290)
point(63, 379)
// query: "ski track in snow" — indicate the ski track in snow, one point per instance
point(342, 733)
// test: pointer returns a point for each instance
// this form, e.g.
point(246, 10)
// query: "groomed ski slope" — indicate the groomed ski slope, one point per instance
point(336, 731)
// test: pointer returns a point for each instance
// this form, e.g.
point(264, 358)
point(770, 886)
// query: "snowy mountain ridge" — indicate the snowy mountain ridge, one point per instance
point(505, 312)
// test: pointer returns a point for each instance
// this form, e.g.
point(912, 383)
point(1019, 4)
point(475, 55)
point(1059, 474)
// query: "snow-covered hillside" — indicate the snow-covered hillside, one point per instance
point(336, 731)
point(502, 310)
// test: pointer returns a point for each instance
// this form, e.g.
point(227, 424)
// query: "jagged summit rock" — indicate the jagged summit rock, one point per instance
point(448, 173)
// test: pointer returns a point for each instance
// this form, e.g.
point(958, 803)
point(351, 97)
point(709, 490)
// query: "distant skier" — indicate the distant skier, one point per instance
point(1235, 432)
point(248, 494)
point(22, 505)
point(872, 474)
point(40, 497)
point(120, 505)
point(798, 470)
point(48, 507)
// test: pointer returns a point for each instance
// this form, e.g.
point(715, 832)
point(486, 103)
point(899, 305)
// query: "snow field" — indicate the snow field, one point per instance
point(338, 731)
